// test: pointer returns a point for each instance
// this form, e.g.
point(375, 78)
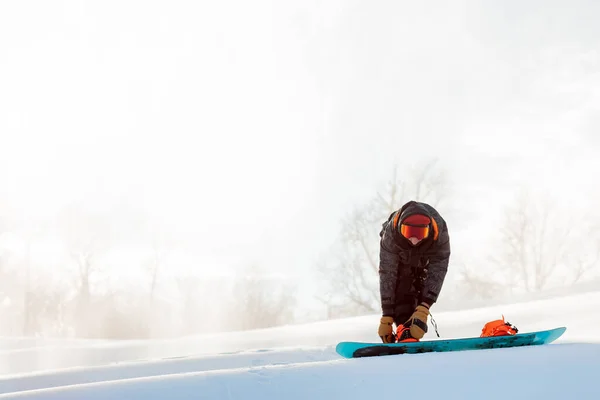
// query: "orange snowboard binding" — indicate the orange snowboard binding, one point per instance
point(403, 335)
point(498, 327)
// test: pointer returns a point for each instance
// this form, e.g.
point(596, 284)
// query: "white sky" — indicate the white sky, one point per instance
point(254, 127)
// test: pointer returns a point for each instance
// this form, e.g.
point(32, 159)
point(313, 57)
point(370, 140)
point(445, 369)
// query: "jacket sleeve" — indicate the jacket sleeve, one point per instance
point(437, 269)
point(388, 268)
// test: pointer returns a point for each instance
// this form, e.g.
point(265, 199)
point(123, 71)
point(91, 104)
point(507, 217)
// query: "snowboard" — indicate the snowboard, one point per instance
point(362, 349)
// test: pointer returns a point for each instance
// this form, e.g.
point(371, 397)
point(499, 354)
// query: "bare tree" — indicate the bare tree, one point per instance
point(587, 261)
point(161, 244)
point(43, 300)
point(352, 277)
point(260, 300)
point(11, 289)
point(478, 285)
point(87, 237)
point(153, 267)
point(30, 234)
point(28, 314)
point(537, 244)
point(196, 303)
point(119, 314)
point(45, 309)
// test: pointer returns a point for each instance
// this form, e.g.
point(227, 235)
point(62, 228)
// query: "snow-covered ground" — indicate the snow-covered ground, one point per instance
point(299, 362)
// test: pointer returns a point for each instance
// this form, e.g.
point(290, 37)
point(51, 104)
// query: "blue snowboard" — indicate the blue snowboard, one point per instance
point(360, 349)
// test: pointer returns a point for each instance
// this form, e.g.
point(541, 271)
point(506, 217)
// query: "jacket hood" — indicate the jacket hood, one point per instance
point(413, 208)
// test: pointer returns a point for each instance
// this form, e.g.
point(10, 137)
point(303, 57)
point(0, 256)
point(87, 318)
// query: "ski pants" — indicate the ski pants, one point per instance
point(407, 294)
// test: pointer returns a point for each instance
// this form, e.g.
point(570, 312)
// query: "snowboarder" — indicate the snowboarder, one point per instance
point(413, 261)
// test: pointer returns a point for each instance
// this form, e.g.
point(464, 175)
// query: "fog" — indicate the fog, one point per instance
point(166, 159)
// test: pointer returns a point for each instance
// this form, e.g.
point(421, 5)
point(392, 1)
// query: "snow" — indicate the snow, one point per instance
point(299, 362)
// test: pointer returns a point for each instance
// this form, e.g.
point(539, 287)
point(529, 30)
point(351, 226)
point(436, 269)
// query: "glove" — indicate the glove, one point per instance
point(385, 329)
point(418, 322)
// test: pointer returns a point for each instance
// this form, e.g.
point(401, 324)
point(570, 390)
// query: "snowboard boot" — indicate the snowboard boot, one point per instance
point(403, 335)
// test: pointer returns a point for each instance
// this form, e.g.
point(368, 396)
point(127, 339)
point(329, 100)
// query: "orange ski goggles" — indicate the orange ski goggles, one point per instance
point(418, 231)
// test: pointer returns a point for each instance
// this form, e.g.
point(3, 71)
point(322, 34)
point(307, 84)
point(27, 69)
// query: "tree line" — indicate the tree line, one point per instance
point(84, 292)
point(536, 245)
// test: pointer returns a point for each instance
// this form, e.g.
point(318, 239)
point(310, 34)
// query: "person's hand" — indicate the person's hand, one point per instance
point(418, 322)
point(385, 331)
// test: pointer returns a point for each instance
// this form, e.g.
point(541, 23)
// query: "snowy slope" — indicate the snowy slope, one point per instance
point(299, 362)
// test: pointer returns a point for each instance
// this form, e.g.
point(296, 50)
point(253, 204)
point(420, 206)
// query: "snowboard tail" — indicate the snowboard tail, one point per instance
point(361, 349)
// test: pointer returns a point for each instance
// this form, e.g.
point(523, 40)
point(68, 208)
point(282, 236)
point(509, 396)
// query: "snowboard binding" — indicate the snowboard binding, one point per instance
point(498, 327)
point(403, 335)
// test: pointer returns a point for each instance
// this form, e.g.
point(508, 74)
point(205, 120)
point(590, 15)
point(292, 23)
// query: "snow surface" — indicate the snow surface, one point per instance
point(299, 362)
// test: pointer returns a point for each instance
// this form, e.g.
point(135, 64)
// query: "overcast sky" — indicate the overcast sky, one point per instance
point(253, 127)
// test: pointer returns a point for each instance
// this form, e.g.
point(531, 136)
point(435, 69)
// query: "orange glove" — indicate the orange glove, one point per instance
point(385, 330)
point(418, 322)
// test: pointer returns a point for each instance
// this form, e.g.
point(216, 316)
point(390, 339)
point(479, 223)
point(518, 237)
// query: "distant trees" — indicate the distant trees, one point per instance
point(261, 300)
point(87, 238)
point(160, 244)
point(351, 274)
point(195, 297)
point(12, 302)
point(539, 244)
point(80, 293)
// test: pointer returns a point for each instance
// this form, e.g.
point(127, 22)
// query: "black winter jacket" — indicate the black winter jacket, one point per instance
point(431, 256)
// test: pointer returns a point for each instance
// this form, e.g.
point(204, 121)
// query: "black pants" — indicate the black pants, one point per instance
point(407, 295)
